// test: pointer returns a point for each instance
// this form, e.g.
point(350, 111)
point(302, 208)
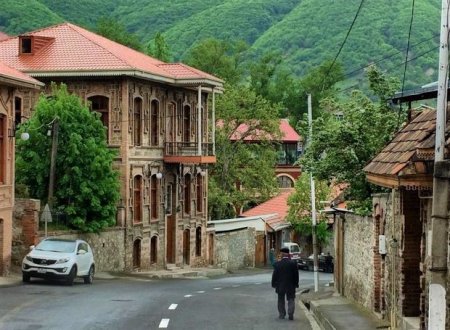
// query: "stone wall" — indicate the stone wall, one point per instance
point(108, 247)
point(236, 249)
point(358, 256)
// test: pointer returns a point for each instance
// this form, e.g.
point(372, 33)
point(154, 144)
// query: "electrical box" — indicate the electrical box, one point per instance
point(382, 244)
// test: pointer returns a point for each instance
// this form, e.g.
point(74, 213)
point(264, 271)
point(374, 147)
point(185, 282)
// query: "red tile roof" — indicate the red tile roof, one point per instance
point(278, 206)
point(3, 36)
point(16, 76)
point(74, 50)
point(287, 131)
point(414, 142)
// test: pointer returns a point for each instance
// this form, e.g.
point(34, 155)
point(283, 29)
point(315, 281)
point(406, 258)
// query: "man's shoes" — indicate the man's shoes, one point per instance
point(281, 317)
point(291, 317)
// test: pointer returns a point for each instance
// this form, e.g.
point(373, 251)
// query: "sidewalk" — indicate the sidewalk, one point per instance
point(15, 278)
point(334, 312)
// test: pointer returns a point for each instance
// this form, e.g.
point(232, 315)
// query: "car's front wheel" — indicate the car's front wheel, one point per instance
point(25, 278)
point(72, 275)
point(90, 276)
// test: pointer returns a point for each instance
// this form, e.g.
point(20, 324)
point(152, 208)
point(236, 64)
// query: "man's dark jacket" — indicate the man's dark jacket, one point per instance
point(285, 277)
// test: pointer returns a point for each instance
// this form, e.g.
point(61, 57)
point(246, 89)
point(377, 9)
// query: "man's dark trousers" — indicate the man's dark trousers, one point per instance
point(282, 304)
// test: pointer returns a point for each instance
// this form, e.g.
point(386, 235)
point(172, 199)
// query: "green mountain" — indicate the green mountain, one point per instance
point(305, 32)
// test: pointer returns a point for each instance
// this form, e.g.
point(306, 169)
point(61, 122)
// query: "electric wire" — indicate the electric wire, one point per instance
point(343, 43)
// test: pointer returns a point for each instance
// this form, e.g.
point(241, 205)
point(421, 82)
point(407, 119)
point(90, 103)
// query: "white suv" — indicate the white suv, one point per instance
point(59, 259)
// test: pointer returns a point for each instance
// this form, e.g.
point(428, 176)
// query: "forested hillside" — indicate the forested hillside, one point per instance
point(304, 32)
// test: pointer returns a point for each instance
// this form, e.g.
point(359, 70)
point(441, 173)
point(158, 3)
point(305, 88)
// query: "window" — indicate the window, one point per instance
point(25, 45)
point(137, 121)
point(198, 241)
point(285, 182)
point(154, 125)
point(199, 193)
point(100, 104)
point(154, 197)
point(187, 194)
point(186, 123)
point(17, 111)
point(2, 148)
point(287, 154)
point(137, 199)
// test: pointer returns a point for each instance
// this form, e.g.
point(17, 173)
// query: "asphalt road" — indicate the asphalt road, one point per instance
point(240, 301)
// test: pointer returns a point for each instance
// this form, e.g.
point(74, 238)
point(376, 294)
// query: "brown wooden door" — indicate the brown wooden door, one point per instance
point(170, 249)
point(186, 247)
point(260, 251)
point(137, 253)
point(211, 249)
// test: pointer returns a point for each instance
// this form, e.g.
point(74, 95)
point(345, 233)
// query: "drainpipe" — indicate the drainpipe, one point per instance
point(438, 235)
point(213, 119)
point(199, 121)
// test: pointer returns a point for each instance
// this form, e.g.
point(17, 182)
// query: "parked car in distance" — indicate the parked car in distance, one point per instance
point(325, 263)
point(55, 258)
point(295, 253)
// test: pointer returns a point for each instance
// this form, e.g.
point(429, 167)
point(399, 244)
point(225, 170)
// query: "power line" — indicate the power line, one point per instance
point(388, 57)
point(410, 60)
point(407, 47)
point(343, 43)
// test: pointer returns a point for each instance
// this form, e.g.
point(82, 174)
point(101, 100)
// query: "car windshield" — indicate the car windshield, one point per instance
point(295, 248)
point(56, 246)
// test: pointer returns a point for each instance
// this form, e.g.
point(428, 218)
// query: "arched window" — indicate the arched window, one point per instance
point(154, 197)
point(186, 123)
point(285, 182)
point(187, 193)
point(100, 104)
point(154, 250)
point(137, 199)
point(154, 123)
point(3, 148)
point(137, 111)
point(198, 241)
point(199, 192)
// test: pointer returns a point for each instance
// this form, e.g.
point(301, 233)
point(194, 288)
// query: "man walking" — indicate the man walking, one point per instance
point(285, 280)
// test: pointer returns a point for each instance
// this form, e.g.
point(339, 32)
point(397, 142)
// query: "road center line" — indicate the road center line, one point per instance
point(188, 295)
point(164, 323)
point(200, 291)
point(217, 288)
point(173, 306)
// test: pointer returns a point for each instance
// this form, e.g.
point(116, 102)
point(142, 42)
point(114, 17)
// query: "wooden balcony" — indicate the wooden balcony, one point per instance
point(187, 153)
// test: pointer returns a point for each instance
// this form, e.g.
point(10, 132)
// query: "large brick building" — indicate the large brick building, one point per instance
point(18, 92)
point(158, 116)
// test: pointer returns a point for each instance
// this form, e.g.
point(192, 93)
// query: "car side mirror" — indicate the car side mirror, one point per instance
point(81, 252)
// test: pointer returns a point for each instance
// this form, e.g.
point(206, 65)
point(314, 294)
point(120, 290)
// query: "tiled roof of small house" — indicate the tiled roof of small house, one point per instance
point(288, 134)
point(67, 49)
point(407, 153)
point(3, 36)
point(14, 76)
point(278, 206)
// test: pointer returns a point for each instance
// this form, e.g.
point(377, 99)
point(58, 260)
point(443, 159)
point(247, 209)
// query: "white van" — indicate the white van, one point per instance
point(294, 252)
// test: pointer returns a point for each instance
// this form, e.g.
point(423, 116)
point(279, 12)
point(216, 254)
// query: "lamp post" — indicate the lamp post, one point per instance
point(51, 181)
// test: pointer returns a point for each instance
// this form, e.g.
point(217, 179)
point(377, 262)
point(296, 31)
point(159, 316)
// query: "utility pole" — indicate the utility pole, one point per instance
point(51, 181)
point(313, 206)
point(438, 237)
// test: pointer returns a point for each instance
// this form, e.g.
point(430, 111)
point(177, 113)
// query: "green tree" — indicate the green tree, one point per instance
point(219, 58)
point(86, 185)
point(300, 206)
point(113, 30)
point(244, 173)
point(158, 48)
point(349, 133)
